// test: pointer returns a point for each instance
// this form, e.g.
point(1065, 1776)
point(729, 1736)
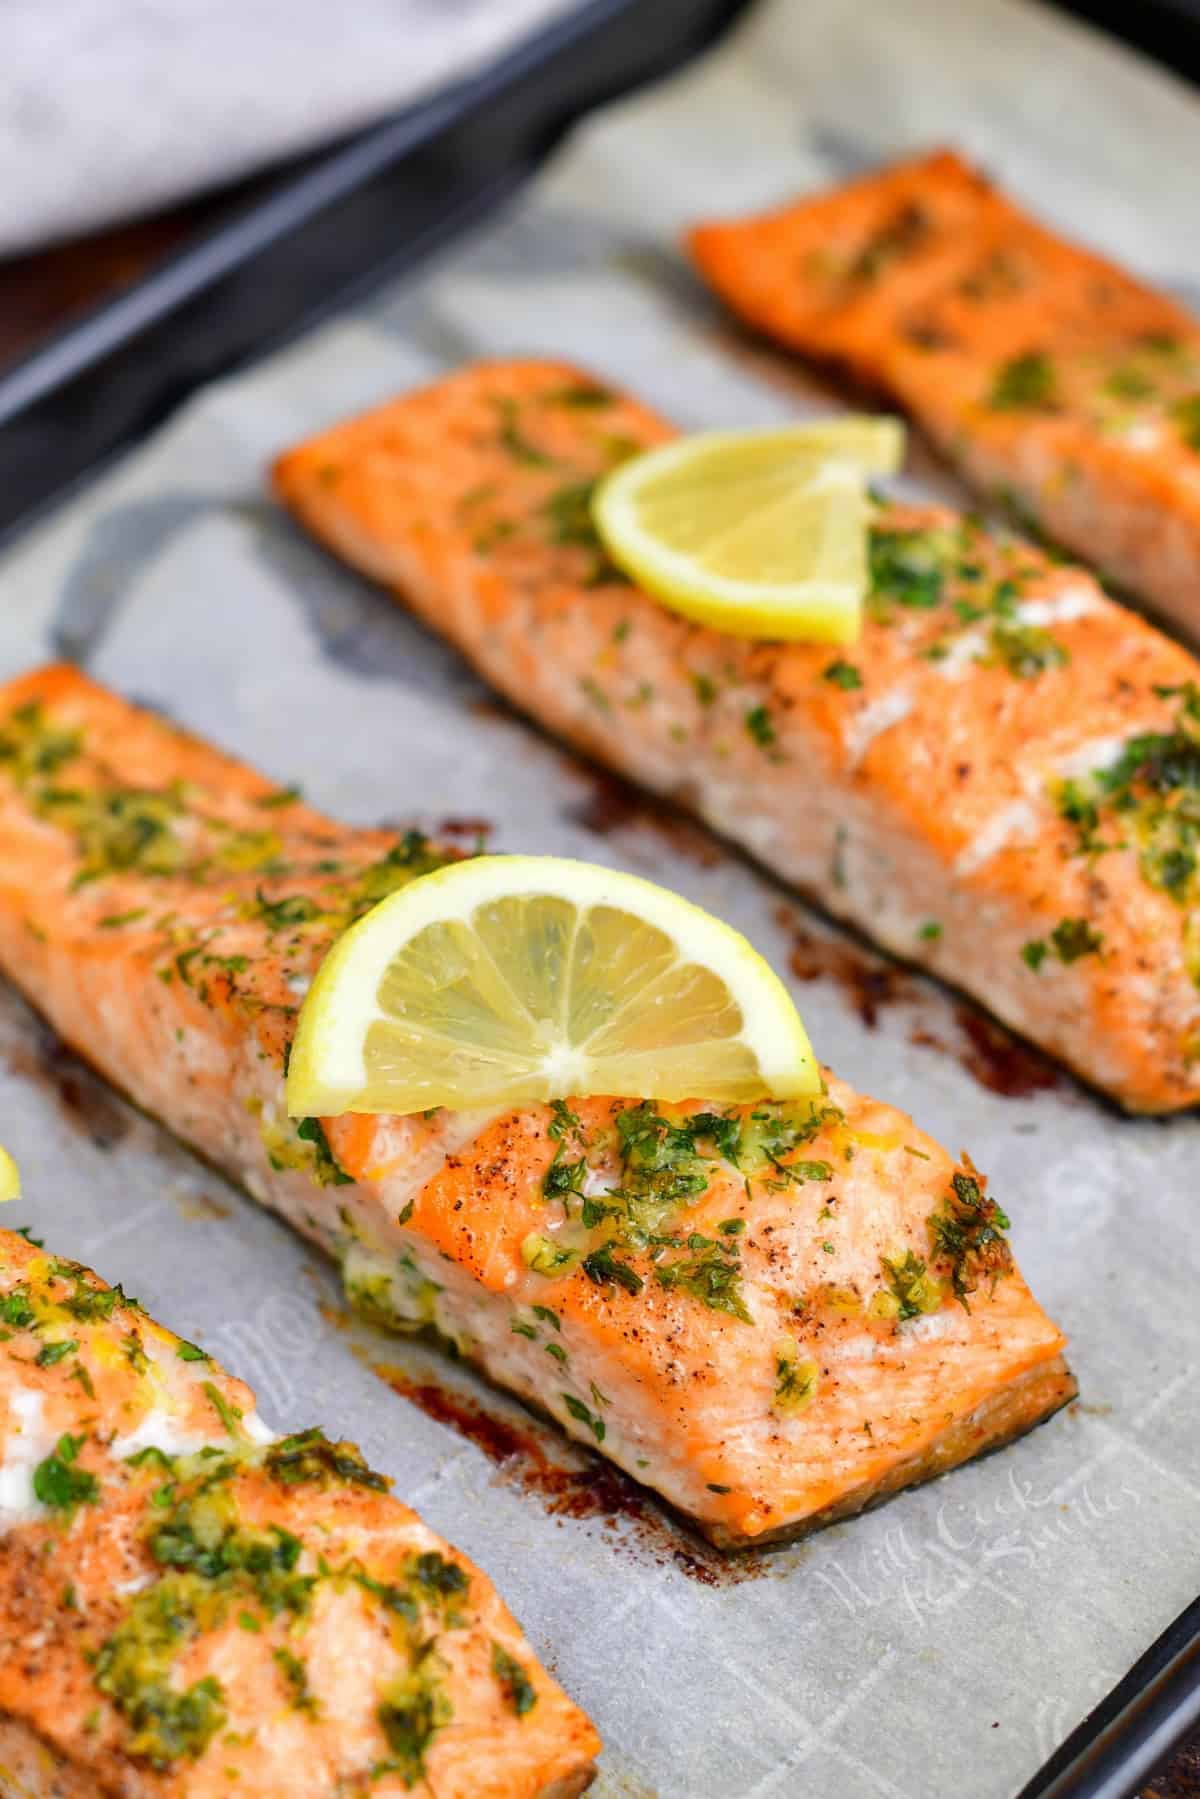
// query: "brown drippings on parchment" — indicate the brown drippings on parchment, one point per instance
point(474, 830)
point(870, 986)
point(999, 1061)
point(991, 1054)
point(595, 1489)
point(613, 804)
point(195, 1206)
point(84, 1101)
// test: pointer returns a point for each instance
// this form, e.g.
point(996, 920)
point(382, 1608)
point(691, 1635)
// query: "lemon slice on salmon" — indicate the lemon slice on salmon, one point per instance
point(506, 980)
point(757, 533)
point(10, 1178)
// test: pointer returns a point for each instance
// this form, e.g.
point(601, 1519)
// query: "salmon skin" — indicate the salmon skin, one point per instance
point(191, 1605)
point(773, 1314)
point(1052, 378)
point(1000, 781)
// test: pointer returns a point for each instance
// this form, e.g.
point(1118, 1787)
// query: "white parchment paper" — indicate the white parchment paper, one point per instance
point(948, 1642)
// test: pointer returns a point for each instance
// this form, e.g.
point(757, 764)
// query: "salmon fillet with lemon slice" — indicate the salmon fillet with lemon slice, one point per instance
point(1000, 780)
point(1044, 372)
point(774, 1314)
point(190, 1605)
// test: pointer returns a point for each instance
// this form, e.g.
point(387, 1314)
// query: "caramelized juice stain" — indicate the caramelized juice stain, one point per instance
point(612, 804)
point(83, 1100)
point(593, 1489)
point(984, 1048)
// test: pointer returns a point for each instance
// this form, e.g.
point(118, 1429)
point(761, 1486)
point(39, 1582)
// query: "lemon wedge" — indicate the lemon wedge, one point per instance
point(505, 980)
point(10, 1178)
point(757, 533)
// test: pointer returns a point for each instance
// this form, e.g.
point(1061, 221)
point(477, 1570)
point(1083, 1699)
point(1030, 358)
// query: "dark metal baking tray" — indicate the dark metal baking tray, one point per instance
point(346, 219)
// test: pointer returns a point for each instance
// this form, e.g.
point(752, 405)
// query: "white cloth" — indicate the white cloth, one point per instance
point(111, 108)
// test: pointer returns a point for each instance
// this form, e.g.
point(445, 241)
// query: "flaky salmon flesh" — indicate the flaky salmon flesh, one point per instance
point(1000, 781)
point(191, 1605)
point(773, 1314)
point(1048, 375)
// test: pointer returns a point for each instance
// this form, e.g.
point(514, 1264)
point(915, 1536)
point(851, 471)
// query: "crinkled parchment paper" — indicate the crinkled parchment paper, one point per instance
point(947, 1642)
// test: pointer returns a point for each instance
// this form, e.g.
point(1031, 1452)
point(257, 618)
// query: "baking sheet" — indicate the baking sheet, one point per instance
point(949, 1641)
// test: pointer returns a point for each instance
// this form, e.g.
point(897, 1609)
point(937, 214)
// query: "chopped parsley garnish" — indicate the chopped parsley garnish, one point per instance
point(519, 1691)
point(15, 1309)
point(604, 1269)
point(895, 238)
point(514, 440)
point(582, 1415)
point(1070, 939)
point(413, 1709)
point(1026, 650)
point(968, 1233)
point(1151, 794)
point(1025, 383)
point(134, 1669)
point(326, 1169)
point(283, 796)
point(1186, 416)
point(569, 514)
point(795, 1380)
point(760, 727)
point(913, 1289)
point(295, 1676)
point(227, 1413)
point(579, 395)
point(59, 1483)
point(545, 1256)
point(592, 690)
point(710, 1271)
point(664, 1169)
point(1129, 382)
point(311, 1457)
point(840, 673)
point(1073, 938)
point(908, 567)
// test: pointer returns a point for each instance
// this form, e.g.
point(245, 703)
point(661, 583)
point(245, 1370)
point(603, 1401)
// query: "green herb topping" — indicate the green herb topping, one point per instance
point(967, 1232)
point(760, 727)
point(1148, 799)
point(59, 1483)
point(912, 1288)
point(518, 1690)
point(1026, 383)
point(796, 1379)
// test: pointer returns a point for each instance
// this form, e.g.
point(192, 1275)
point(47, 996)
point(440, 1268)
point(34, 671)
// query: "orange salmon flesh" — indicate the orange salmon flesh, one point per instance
point(1000, 781)
point(1046, 374)
point(773, 1314)
point(192, 1606)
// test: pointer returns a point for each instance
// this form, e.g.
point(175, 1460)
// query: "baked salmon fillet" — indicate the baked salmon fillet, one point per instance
point(1048, 375)
point(192, 1605)
point(1000, 781)
point(773, 1314)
